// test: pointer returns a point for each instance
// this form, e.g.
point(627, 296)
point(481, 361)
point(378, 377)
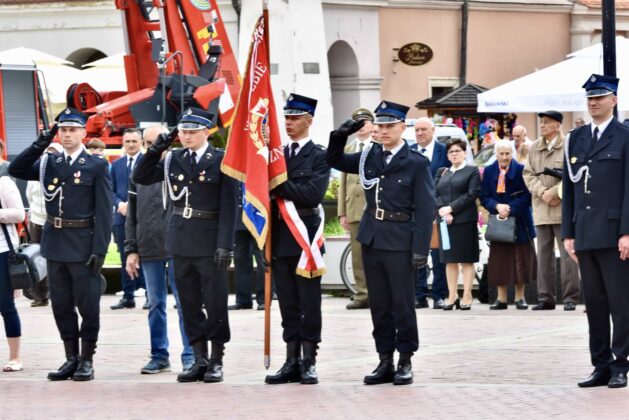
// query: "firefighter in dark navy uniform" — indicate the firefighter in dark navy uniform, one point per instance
point(299, 296)
point(200, 235)
point(394, 232)
point(595, 228)
point(76, 235)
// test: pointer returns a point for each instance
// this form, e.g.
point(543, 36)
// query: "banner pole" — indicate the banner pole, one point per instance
point(268, 286)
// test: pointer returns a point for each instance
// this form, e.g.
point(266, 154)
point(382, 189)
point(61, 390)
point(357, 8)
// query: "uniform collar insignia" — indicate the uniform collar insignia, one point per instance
point(59, 160)
point(81, 161)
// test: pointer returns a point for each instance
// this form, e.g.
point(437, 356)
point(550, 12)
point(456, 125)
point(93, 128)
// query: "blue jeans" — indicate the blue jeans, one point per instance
point(439, 283)
point(12, 326)
point(157, 280)
point(244, 246)
point(128, 286)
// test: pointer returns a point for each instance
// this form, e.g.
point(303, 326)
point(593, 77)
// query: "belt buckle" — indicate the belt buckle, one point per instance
point(58, 222)
point(379, 214)
point(187, 212)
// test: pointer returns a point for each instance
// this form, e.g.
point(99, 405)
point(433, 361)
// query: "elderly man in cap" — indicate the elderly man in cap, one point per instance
point(394, 232)
point(351, 206)
point(76, 235)
point(200, 234)
point(542, 175)
point(299, 288)
point(596, 228)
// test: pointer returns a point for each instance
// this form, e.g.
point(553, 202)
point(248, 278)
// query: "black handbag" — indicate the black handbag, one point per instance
point(500, 229)
point(26, 264)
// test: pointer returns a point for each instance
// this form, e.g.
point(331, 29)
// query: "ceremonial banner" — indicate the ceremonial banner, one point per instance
point(254, 153)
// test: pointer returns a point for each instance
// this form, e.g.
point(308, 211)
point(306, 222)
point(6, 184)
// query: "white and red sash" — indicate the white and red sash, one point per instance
point(311, 262)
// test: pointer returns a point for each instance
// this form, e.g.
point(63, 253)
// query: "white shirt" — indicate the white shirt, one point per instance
point(394, 151)
point(430, 147)
point(199, 153)
point(453, 169)
point(300, 142)
point(12, 211)
point(73, 156)
point(601, 128)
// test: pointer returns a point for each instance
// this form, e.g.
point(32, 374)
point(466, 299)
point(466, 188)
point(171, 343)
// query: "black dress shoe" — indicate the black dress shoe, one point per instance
point(84, 371)
point(214, 372)
point(384, 372)
point(497, 305)
point(569, 306)
point(618, 380)
point(308, 364)
point(123, 304)
point(404, 373)
point(521, 304)
point(595, 379)
point(66, 370)
point(543, 306)
point(421, 304)
point(289, 372)
point(198, 369)
point(239, 306)
point(449, 307)
point(438, 304)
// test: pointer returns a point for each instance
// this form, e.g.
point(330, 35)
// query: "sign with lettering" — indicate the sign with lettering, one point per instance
point(415, 54)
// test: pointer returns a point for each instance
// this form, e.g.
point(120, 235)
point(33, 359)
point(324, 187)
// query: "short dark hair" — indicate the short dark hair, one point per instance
point(132, 130)
point(96, 144)
point(456, 142)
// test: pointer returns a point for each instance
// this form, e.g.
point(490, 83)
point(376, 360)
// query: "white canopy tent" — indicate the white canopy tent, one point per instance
point(558, 87)
point(106, 74)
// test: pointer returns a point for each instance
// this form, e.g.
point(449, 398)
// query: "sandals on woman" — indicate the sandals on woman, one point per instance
point(12, 366)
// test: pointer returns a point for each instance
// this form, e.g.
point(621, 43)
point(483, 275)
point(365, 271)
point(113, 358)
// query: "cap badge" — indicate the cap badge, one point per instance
point(189, 112)
point(593, 79)
point(290, 97)
point(67, 111)
point(384, 105)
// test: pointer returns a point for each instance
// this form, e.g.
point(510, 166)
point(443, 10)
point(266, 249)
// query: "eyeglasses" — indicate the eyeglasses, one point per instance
point(455, 151)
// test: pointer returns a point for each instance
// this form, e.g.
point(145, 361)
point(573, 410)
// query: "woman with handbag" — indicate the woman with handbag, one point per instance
point(11, 212)
point(456, 191)
point(510, 228)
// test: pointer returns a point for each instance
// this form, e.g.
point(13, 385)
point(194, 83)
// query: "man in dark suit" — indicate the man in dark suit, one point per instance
point(200, 235)
point(595, 228)
point(120, 172)
point(436, 154)
point(299, 290)
point(75, 237)
point(394, 232)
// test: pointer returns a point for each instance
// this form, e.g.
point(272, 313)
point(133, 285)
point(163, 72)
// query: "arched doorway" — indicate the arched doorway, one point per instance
point(343, 69)
point(85, 55)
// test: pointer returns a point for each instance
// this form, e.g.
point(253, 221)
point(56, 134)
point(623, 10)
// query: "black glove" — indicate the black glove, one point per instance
point(164, 140)
point(349, 127)
point(45, 137)
point(95, 263)
point(419, 261)
point(223, 258)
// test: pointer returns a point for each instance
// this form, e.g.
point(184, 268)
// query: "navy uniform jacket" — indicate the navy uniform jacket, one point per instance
point(308, 178)
point(120, 183)
point(516, 195)
point(596, 219)
point(210, 190)
point(405, 186)
point(86, 195)
point(439, 157)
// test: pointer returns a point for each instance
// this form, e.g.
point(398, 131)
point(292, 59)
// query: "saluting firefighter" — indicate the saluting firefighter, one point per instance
point(200, 234)
point(78, 196)
point(595, 227)
point(394, 232)
point(299, 294)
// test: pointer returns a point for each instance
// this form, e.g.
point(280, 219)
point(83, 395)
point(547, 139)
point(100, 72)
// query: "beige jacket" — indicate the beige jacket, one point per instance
point(351, 200)
point(539, 158)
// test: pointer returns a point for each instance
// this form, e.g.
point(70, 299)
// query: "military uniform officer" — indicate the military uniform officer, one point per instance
point(595, 228)
point(200, 235)
point(394, 232)
point(78, 197)
point(299, 297)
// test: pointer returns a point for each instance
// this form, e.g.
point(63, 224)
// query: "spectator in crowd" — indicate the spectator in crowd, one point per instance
point(11, 212)
point(542, 175)
point(120, 173)
point(145, 238)
point(521, 143)
point(96, 147)
point(456, 191)
point(36, 221)
point(504, 193)
point(245, 247)
point(436, 154)
point(578, 122)
point(4, 165)
point(351, 206)
point(375, 136)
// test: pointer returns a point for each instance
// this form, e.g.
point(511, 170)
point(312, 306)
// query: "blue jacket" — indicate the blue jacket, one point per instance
point(120, 184)
point(439, 158)
point(517, 196)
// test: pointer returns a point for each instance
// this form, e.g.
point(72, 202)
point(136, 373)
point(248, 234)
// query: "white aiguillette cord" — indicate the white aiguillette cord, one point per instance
point(582, 170)
point(42, 175)
point(368, 184)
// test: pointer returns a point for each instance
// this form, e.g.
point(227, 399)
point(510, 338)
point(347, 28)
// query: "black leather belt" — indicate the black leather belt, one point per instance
point(394, 216)
point(59, 223)
point(190, 213)
point(303, 212)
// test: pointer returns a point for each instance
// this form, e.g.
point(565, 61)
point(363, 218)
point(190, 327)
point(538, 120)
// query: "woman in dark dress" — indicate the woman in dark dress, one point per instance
point(456, 190)
point(504, 193)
